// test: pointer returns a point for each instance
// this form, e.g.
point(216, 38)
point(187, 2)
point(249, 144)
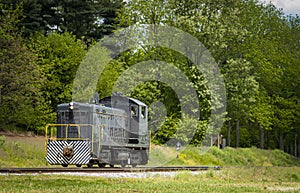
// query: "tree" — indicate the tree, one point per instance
point(86, 19)
point(256, 47)
point(89, 19)
point(241, 89)
point(59, 57)
point(20, 78)
point(153, 12)
point(33, 17)
point(284, 112)
point(262, 113)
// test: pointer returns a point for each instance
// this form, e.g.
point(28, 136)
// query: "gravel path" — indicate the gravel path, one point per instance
point(129, 174)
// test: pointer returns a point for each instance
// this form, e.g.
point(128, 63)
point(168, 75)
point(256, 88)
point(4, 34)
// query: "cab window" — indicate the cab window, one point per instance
point(134, 110)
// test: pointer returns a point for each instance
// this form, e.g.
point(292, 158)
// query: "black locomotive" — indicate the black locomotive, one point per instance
point(111, 132)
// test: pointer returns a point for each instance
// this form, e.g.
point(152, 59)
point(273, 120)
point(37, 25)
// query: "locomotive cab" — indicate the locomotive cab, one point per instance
point(138, 120)
point(137, 112)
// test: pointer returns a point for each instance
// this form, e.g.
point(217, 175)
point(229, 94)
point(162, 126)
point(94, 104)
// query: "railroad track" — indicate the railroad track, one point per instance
point(105, 170)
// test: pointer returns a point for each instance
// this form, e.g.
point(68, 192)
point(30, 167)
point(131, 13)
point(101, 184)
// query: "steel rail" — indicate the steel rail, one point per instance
point(106, 169)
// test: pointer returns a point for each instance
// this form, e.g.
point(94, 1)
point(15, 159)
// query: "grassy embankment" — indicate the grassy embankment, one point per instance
point(22, 151)
point(238, 177)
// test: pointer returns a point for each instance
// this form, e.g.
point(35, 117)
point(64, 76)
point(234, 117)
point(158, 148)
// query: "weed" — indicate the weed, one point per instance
point(2, 140)
point(210, 174)
point(292, 177)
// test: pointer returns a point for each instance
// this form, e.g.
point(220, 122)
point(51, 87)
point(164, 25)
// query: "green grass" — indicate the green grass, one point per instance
point(234, 179)
point(22, 151)
point(222, 157)
point(245, 170)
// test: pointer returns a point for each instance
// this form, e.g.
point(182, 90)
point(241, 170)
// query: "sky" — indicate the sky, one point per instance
point(288, 6)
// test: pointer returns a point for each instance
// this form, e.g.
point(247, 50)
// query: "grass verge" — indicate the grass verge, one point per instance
point(24, 151)
point(234, 179)
point(222, 157)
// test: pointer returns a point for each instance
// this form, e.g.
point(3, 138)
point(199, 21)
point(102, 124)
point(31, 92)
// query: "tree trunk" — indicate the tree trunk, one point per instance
point(295, 145)
point(268, 139)
point(228, 134)
point(298, 148)
point(261, 138)
point(237, 134)
point(281, 144)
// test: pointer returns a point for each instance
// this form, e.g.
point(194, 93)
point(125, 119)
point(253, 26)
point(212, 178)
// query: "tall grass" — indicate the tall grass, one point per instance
point(222, 157)
point(22, 152)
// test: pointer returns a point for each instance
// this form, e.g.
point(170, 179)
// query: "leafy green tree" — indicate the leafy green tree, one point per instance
point(86, 19)
point(34, 13)
point(59, 57)
point(22, 106)
point(256, 47)
point(262, 113)
point(284, 112)
point(241, 89)
point(89, 19)
point(153, 12)
point(274, 55)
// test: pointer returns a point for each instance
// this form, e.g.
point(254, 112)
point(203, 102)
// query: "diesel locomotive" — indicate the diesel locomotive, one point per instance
point(111, 131)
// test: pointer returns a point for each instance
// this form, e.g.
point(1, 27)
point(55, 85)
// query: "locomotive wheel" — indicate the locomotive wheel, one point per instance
point(134, 165)
point(111, 165)
point(89, 165)
point(123, 164)
point(64, 165)
point(101, 165)
point(78, 165)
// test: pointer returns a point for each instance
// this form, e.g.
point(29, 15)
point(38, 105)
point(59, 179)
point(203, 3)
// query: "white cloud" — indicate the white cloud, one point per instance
point(288, 6)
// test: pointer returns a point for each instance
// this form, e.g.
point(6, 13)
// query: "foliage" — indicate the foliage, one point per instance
point(165, 131)
point(59, 57)
point(2, 140)
point(249, 41)
point(255, 45)
point(86, 19)
point(137, 13)
point(20, 77)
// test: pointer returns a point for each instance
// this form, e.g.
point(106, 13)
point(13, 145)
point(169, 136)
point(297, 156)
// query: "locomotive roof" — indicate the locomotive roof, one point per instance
point(107, 100)
point(138, 102)
point(82, 106)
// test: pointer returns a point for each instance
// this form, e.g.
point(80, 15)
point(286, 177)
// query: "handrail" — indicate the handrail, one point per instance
point(66, 136)
point(67, 126)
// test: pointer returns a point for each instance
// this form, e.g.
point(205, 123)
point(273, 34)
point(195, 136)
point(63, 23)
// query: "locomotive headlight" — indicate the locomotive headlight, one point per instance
point(71, 105)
